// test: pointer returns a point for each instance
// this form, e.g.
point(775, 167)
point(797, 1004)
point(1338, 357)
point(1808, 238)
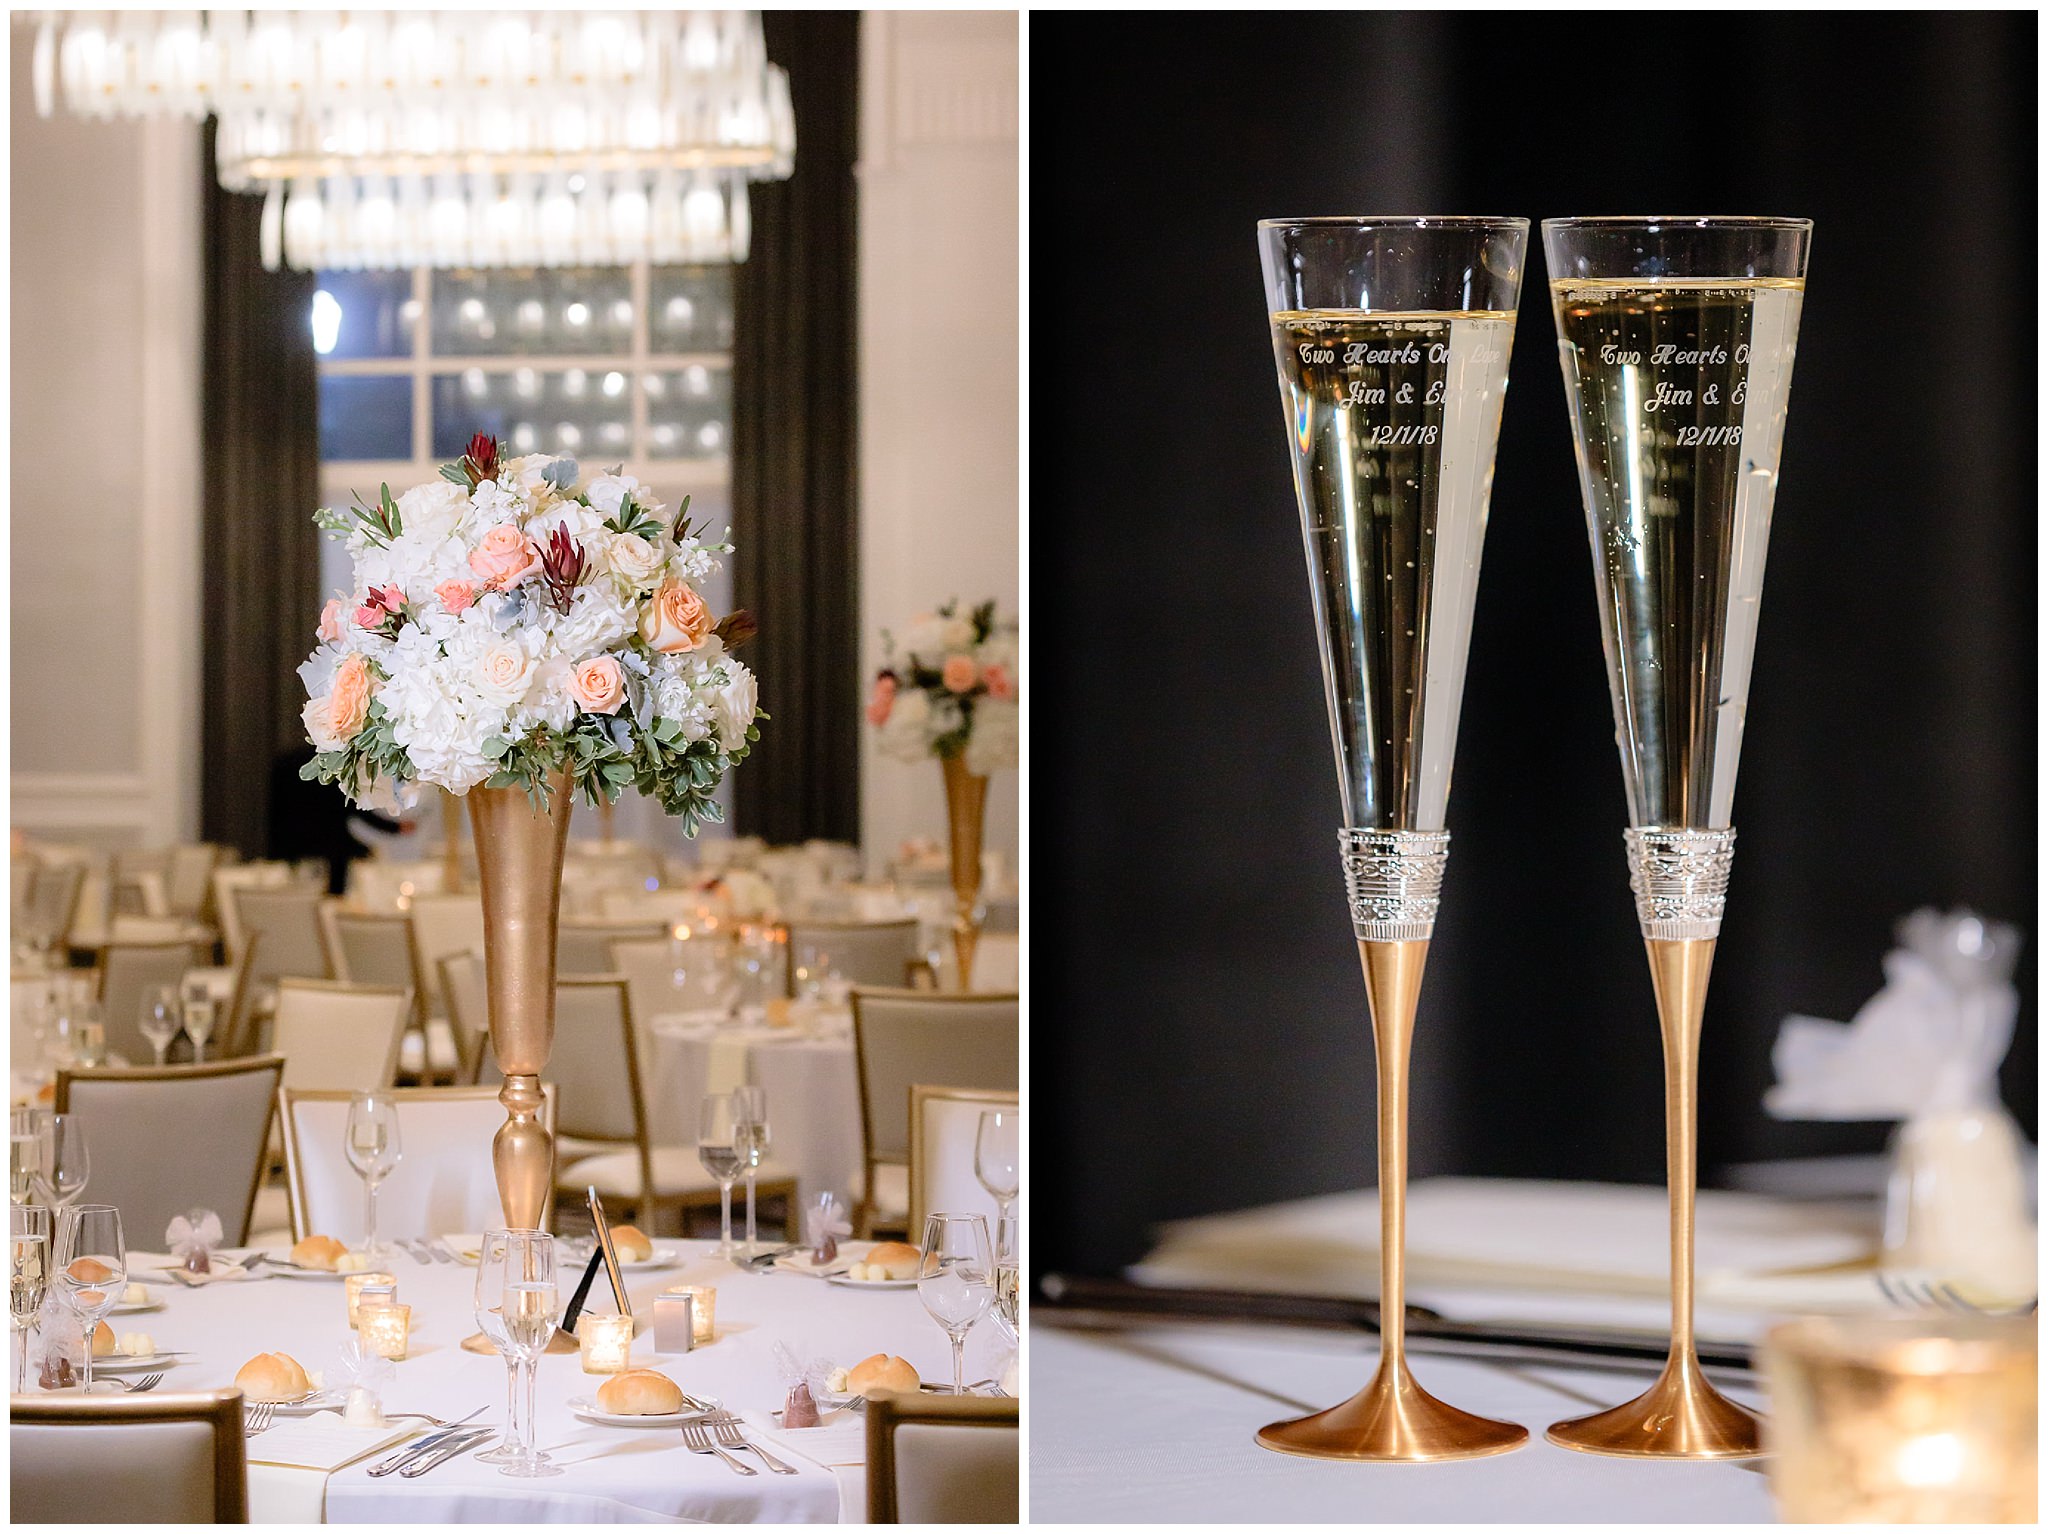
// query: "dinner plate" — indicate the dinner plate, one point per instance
point(808, 1266)
point(587, 1409)
point(870, 1283)
point(125, 1309)
point(320, 1400)
point(467, 1245)
point(273, 1263)
point(120, 1363)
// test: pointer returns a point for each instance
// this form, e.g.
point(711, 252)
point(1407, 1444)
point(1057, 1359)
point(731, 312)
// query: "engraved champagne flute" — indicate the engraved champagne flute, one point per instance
point(750, 1104)
point(374, 1149)
point(722, 1153)
point(27, 1273)
point(1676, 336)
point(518, 1306)
point(1391, 336)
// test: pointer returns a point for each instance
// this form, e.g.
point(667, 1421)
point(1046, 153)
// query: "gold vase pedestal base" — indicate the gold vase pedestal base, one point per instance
point(1393, 1419)
point(1680, 1417)
point(561, 1342)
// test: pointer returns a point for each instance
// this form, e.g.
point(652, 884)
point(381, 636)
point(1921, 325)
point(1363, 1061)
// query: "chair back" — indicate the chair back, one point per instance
point(996, 964)
point(380, 884)
point(371, 950)
point(585, 947)
point(871, 953)
point(128, 1459)
point(649, 967)
point(129, 972)
point(188, 870)
point(942, 1459)
point(443, 1181)
point(228, 878)
point(341, 1036)
point(287, 922)
point(944, 1122)
point(54, 896)
point(596, 1063)
point(462, 985)
point(444, 925)
point(662, 908)
point(902, 1038)
point(234, 1032)
point(167, 1139)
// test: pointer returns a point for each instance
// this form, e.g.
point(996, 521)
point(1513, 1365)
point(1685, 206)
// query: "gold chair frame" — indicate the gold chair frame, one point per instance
point(222, 1409)
point(887, 1413)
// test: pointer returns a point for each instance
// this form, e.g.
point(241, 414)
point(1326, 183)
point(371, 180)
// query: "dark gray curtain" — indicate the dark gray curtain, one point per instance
point(1199, 1024)
point(793, 461)
point(261, 551)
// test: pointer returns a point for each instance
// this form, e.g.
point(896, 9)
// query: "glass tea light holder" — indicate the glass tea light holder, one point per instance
point(385, 1329)
point(368, 1288)
point(703, 1311)
point(1903, 1419)
point(605, 1343)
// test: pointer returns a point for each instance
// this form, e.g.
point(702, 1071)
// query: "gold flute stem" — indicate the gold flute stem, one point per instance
point(1393, 981)
point(1678, 971)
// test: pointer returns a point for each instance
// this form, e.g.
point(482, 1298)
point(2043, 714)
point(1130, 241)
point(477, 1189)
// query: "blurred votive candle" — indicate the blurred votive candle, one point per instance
point(703, 1311)
point(370, 1289)
point(385, 1329)
point(606, 1343)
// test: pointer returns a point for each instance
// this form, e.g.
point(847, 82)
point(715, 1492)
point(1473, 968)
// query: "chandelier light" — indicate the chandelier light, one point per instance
point(388, 139)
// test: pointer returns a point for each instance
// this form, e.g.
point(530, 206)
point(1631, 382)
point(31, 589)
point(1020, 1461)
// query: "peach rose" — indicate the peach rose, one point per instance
point(505, 557)
point(960, 674)
point(598, 686)
point(676, 619)
point(333, 617)
point(457, 596)
point(883, 700)
point(999, 685)
point(348, 702)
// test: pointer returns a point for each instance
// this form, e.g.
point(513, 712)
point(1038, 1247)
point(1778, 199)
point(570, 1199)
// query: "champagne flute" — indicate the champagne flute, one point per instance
point(27, 1272)
point(750, 1104)
point(199, 1021)
point(1391, 337)
point(518, 1306)
point(956, 1279)
point(94, 1266)
point(1676, 336)
point(721, 1151)
point(63, 1164)
point(374, 1150)
point(161, 1019)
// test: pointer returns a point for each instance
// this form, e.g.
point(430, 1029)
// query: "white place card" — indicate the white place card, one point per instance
point(323, 1441)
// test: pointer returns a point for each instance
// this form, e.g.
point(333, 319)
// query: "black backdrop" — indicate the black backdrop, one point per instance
point(1199, 1034)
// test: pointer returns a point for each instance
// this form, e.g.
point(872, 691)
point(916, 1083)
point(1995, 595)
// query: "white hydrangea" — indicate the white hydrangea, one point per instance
point(907, 735)
point(597, 620)
point(992, 743)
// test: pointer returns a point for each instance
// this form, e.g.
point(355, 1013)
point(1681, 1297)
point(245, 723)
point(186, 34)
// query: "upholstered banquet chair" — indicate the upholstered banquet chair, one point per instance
point(462, 987)
point(585, 947)
point(663, 907)
point(944, 1122)
point(122, 1459)
point(649, 967)
point(287, 921)
point(227, 879)
point(55, 891)
point(996, 964)
point(444, 925)
point(388, 884)
point(596, 1054)
point(902, 1038)
point(337, 1035)
point(129, 974)
point(942, 1459)
point(188, 877)
point(872, 953)
point(443, 1182)
point(377, 949)
point(167, 1139)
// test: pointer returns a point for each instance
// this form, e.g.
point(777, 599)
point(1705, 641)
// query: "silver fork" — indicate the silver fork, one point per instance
point(439, 1250)
point(415, 1250)
point(1910, 1292)
point(697, 1439)
point(257, 1417)
point(147, 1382)
point(727, 1427)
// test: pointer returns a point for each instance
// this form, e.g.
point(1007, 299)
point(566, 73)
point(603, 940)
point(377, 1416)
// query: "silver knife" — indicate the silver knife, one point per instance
point(416, 1250)
point(438, 1249)
point(424, 1445)
point(445, 1452)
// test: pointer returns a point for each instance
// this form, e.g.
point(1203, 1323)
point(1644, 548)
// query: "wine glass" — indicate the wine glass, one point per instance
point(374, 1150)
point(679, 959)
point(161, 1019)
point(750, 1106)
point(63, 1165)
point(89, 1035)
point(996, 1158)
point(518, 1307)
point(28, 1268)
point(94, 1267)
point(956, 1279)
point(721, 1150)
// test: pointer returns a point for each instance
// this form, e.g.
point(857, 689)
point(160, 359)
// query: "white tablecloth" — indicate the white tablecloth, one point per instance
point(813, 1094)
point(612, 1476)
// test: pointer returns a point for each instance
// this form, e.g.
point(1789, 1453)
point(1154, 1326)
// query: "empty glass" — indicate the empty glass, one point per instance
point(162, 1017)
point(518, 1306)
point(374, 1150)
point(94, 1267)
point(199, 1020)
point(956, 1279)
point(996, 1159)
point(28, 1268)
point(63, 1165)
point(721, 1149)
point(750, 1106)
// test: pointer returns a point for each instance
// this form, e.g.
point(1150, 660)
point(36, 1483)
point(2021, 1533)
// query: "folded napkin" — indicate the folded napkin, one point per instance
point(323, 1441)
point(224, 1270)
point(840, 1438)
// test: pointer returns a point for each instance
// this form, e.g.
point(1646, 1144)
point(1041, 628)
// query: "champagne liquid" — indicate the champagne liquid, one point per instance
point(757, 1145)
point(529, 1315)
point(723, 1162)
point(1678, 391)
point(1393, 419)
point(27, 1278)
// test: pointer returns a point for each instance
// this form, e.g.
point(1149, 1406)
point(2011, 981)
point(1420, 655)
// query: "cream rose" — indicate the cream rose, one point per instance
point(504, 557)
point(598, 686)
point(504, 671)
point(676, 619)
point(634, 560)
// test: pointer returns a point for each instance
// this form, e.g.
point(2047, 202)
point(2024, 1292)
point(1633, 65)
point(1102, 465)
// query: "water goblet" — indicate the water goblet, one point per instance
point(996, 1159)
point(94, 1266)
point(374, 1150)
point(28, 1271)
point(518, 1306)
point(956, 1279)
point(63, 1164)
point(722, 1151)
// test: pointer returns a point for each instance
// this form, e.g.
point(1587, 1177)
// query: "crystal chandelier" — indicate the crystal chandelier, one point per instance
point(454, 138)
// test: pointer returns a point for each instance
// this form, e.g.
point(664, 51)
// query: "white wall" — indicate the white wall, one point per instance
point(104, 488)
point(938, 359)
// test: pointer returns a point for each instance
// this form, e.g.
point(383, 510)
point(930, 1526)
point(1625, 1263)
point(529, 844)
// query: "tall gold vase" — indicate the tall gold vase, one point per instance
point(966, 799)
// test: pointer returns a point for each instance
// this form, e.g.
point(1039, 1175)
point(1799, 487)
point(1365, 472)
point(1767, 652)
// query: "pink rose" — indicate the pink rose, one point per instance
point(505, 557)
point(332, 619)
point(379, 607)
point(676, 619)
point(457, 596)
point(999, 685)
point(883, 701)
point(348, 702)
point(960, 673)
point(598, 686)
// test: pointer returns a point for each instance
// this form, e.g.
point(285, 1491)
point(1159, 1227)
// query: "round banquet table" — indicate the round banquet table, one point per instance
point(813, 1093)
point(611, 1475)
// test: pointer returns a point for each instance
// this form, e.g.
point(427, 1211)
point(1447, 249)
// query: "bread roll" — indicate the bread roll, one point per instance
point(321, 1252)
point(882, 1375)
point(631, 1243)
point(102, 1341)
point(273, 1377)
point(890, 1259)
point(89, 1270)
point(640, 1393)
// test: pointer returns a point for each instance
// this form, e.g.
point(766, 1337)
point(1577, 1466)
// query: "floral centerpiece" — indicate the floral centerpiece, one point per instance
point(952, 694)
point(507, 626)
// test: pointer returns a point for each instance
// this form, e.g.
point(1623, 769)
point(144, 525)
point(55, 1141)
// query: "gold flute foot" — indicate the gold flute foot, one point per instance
point(1682, 1416)
point(1395, 1419)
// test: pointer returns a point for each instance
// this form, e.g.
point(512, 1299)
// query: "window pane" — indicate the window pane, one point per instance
point(365, 417)
point(689, 309)
point(364, 314)
point(689, 412)
point(567, 411)
point(573, 311)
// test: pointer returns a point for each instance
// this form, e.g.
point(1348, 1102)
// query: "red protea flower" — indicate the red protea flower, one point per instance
point(482, 457)
point(736, 628)
point(561, 567)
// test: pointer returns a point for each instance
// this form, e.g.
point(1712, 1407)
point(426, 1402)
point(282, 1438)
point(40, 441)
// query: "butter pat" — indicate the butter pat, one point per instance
point(135, 1294)
point(836, 1382)
point(363, 1409)
point(135, 1345)
point(352, 1262)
